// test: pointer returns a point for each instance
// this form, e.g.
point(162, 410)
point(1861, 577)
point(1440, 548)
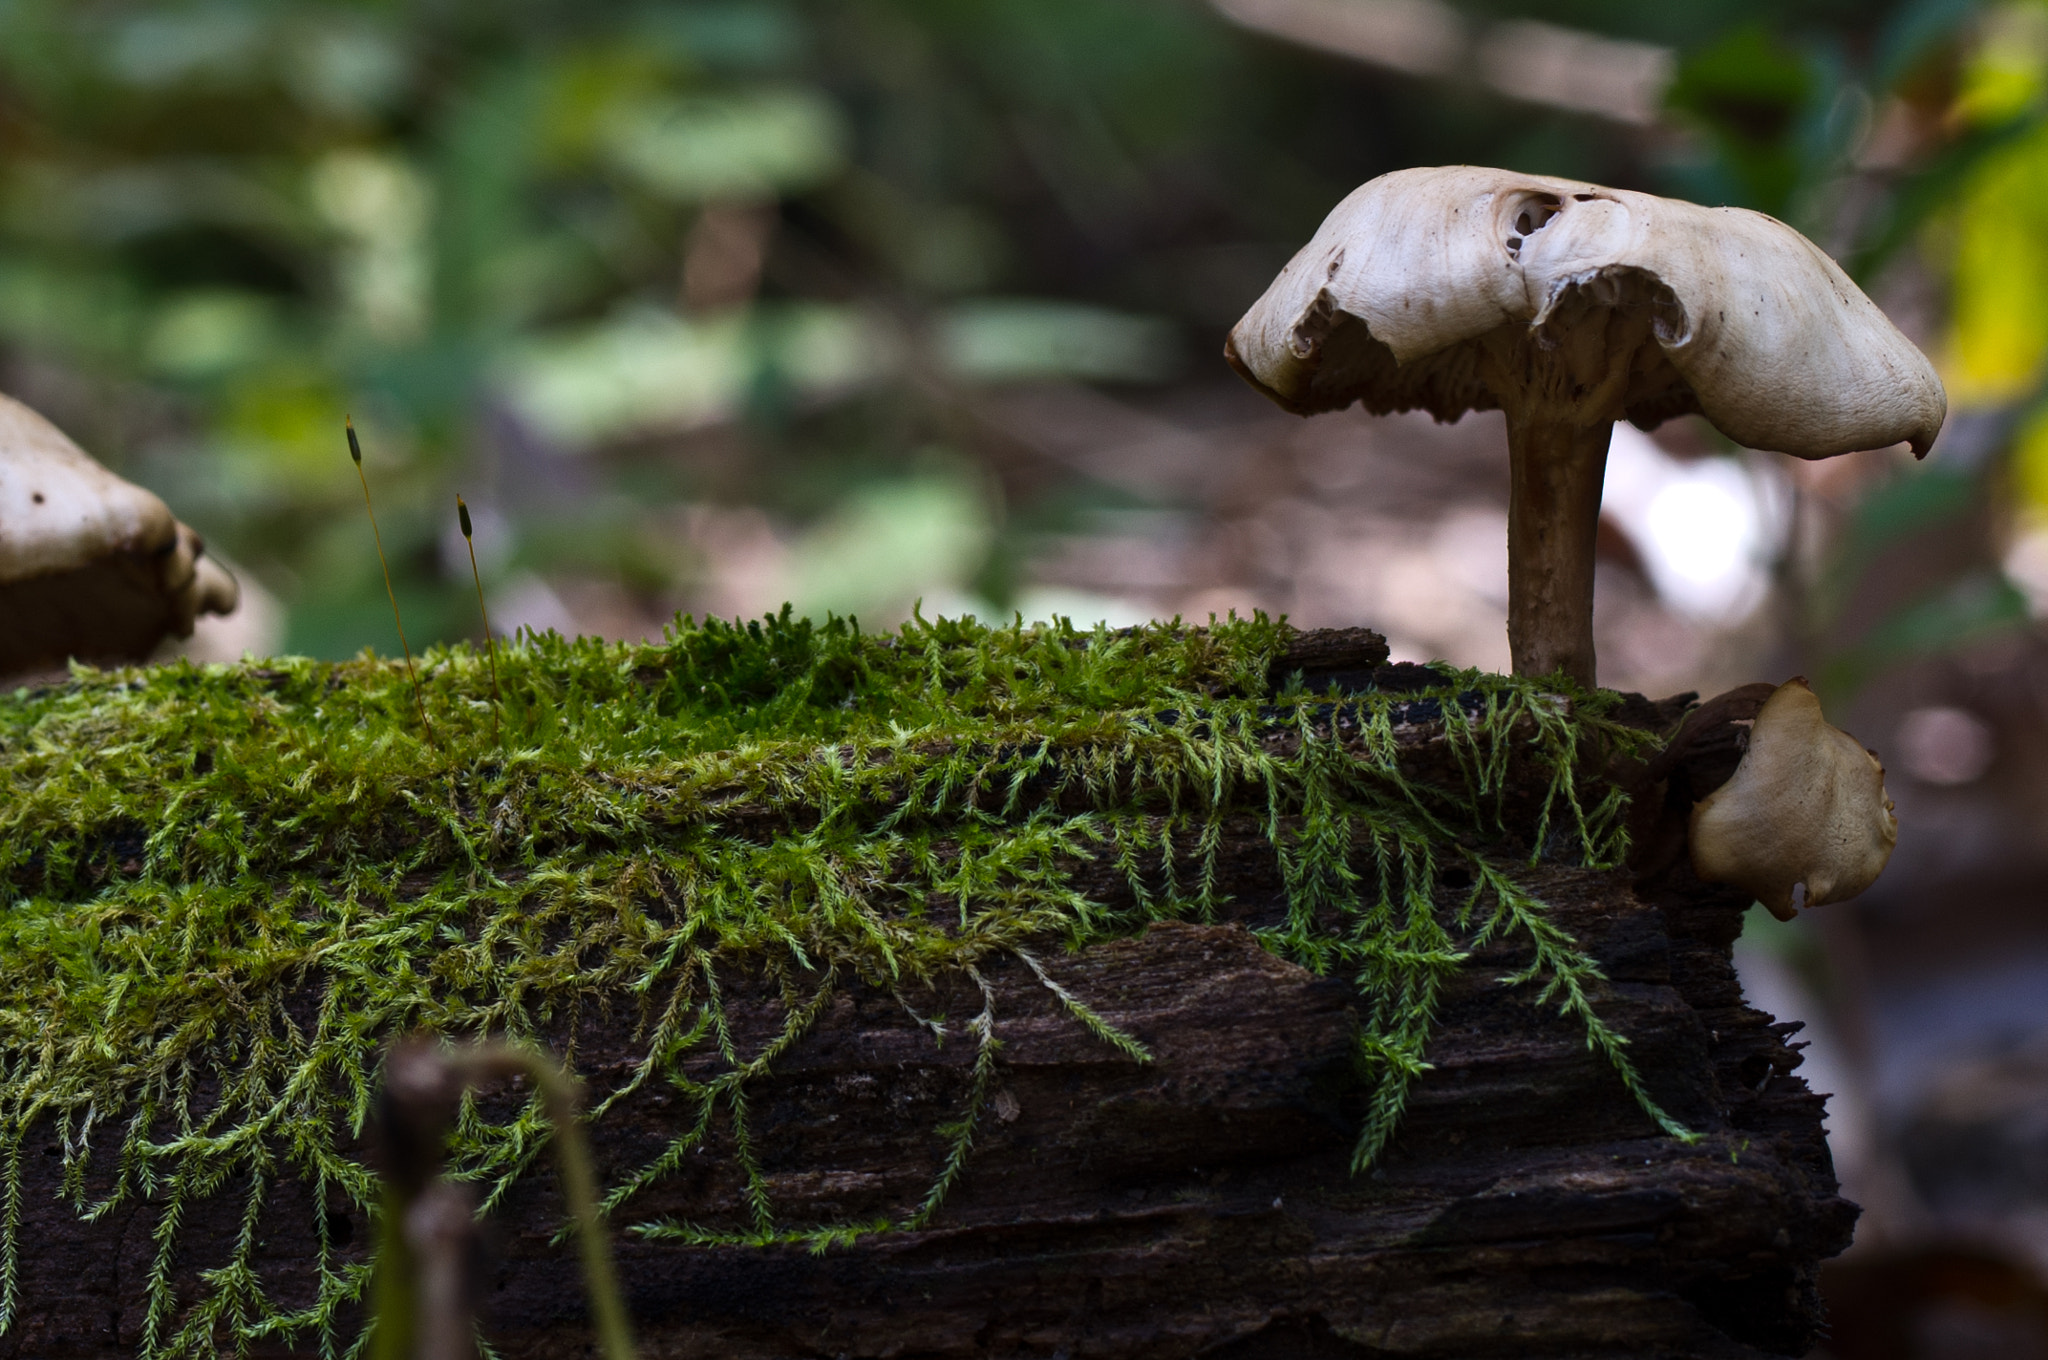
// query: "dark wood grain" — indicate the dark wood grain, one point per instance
point(1200, 1204)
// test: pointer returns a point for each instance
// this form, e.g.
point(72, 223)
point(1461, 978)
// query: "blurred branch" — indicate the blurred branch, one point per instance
point(1525, 59)
point(423, 1299)
point(1415, 37)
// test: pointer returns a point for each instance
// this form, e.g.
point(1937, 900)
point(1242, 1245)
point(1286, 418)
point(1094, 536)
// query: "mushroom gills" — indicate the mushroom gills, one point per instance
point(1804, 819)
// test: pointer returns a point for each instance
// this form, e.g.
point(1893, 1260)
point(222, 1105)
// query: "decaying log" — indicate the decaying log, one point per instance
point(1200, 1204)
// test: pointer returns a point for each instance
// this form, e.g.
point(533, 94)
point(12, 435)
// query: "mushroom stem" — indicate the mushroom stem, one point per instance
point(1556, 468)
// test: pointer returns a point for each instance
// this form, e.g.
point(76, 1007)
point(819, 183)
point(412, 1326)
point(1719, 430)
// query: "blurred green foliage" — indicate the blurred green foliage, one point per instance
point(1921, 139)
point(510, 237)
point(538, 248)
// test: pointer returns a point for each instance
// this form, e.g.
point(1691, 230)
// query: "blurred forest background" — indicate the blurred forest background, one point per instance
point(857, 303)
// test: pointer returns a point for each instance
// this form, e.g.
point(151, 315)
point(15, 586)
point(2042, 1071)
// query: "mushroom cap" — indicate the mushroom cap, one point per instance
point(1806, 805)
point(91, 566)
point(1748, 323)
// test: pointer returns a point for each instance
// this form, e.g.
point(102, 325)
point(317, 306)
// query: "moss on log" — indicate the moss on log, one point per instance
point(960, 991)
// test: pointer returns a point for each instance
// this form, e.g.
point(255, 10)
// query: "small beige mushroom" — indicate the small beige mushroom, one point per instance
point(1569, 306)
point(1805, 807)
point(91, 566)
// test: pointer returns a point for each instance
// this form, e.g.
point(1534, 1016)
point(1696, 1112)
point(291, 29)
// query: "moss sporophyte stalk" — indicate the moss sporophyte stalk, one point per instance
point(230, 886)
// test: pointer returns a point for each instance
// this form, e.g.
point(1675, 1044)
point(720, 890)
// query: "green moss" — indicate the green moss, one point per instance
point(187, 849)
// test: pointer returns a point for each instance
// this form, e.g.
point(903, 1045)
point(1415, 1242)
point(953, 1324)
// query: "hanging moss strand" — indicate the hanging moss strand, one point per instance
point(228, 887)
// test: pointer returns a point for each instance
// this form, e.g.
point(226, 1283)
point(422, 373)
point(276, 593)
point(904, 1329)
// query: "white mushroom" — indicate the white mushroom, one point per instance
point(1568, 307)
point(1806, 808)
point(91, 566)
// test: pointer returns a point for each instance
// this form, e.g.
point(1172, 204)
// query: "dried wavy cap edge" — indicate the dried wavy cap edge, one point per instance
point(1806, 806)
point(1754, 326)
point(61, 511)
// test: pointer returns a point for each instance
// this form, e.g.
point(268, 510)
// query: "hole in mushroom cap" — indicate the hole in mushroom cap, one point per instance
point(1315, 323)
point(1531, 215)
point(37, 498)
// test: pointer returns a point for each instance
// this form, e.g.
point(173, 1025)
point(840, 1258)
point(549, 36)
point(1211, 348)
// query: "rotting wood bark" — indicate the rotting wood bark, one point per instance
point(1199, 1205)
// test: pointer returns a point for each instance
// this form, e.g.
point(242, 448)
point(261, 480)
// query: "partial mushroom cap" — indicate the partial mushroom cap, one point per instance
point(91, 566)
point(1719, 311)
point(1806, 806)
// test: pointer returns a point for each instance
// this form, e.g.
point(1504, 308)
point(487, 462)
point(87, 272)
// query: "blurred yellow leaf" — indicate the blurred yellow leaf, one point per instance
point(281, 438)
point(1998, 329)
point(588, 88)
point(2005, 75)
